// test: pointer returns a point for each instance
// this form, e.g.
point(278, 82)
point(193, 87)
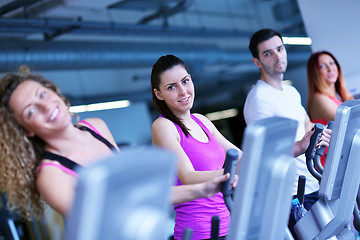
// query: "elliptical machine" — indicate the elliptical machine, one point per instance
point(330, 216)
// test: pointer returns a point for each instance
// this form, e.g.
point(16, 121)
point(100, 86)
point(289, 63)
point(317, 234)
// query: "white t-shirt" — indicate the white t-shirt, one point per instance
point(265, 101)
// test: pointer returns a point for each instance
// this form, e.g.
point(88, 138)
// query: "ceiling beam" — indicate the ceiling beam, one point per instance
point(11, 6)
point(166, 11)
point(42, 25)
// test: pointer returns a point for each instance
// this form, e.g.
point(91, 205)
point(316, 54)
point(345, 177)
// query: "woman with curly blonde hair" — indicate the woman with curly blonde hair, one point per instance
point(40, 147)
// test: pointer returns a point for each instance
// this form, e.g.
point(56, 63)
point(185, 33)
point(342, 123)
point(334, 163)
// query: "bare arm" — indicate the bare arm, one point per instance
point(57, 188)
point(301, 146)
point(308, 124)
point(322, 107)
point(186, 193)
point(165, 135)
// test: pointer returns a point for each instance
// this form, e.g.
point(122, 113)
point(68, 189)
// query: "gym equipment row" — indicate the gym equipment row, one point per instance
point(126, 196)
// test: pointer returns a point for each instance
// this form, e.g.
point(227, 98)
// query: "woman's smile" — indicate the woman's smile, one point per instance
point(54, 114)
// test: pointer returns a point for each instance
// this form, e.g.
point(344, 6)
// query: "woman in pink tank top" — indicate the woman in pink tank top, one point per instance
point(199, 146)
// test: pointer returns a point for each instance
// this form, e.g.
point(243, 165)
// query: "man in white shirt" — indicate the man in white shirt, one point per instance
point(271, 97)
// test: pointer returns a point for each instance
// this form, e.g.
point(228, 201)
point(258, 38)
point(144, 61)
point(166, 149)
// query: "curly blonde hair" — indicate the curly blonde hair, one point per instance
point(19, 154)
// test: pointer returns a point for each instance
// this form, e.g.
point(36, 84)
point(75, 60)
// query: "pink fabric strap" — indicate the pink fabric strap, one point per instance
point(68, 171)
point(337, 101)
point(91, 126)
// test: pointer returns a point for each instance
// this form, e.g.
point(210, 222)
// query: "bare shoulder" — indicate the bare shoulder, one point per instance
point(162, 127)
point(100, 126)
point(320, 100)
point(50, 175)
point(205, 121)
point(162, 122)
point(47, 171)
point(96, 122)
point(320, 97)
point(201, 117)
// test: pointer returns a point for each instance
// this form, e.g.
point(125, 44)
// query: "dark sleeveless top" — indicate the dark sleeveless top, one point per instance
point(69, 164)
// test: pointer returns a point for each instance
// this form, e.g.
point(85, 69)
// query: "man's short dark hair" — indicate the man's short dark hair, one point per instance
point(260, 36)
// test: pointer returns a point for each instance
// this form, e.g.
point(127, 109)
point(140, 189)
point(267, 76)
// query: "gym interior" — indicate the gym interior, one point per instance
point(100, 52)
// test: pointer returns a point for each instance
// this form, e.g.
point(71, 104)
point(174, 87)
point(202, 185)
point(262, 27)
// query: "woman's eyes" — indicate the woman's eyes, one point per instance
point(186, 81)
point(31, 112)
point(33, 108)
point(42, 94)
point(322, 66)
point(172, 87)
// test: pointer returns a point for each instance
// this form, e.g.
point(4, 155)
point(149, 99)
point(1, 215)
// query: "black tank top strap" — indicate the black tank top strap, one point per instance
point(100, 138)
point(62, 160)
point(69, 163)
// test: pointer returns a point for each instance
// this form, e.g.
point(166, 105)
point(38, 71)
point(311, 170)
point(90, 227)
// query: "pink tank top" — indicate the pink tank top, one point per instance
point(197, 214)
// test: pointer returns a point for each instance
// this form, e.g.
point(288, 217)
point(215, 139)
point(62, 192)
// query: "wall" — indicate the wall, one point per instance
point(129, 126)
point(333, 25)
point(298, 79)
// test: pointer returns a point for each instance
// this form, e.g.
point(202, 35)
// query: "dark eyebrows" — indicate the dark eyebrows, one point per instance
point(172, 84)
point(266, 51)
point(37, 91)
point(269, 50)
point(187, 75)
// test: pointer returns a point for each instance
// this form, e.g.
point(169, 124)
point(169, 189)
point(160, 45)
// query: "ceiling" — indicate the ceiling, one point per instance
point(104, 50)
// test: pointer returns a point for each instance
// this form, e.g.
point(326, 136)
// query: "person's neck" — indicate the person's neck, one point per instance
point(275, 81)
point(332, 89)
point(63, 141)
point(184, 117)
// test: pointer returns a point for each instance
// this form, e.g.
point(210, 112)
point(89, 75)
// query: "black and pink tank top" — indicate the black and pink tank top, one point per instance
point(66, 164)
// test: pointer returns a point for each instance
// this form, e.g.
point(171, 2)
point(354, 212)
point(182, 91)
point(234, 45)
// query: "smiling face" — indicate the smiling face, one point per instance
point(272, 57)
point(38, 109)
point(328, 69)
point(176, 89)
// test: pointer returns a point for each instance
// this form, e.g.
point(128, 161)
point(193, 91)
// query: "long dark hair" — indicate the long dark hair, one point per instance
point(162, 64)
